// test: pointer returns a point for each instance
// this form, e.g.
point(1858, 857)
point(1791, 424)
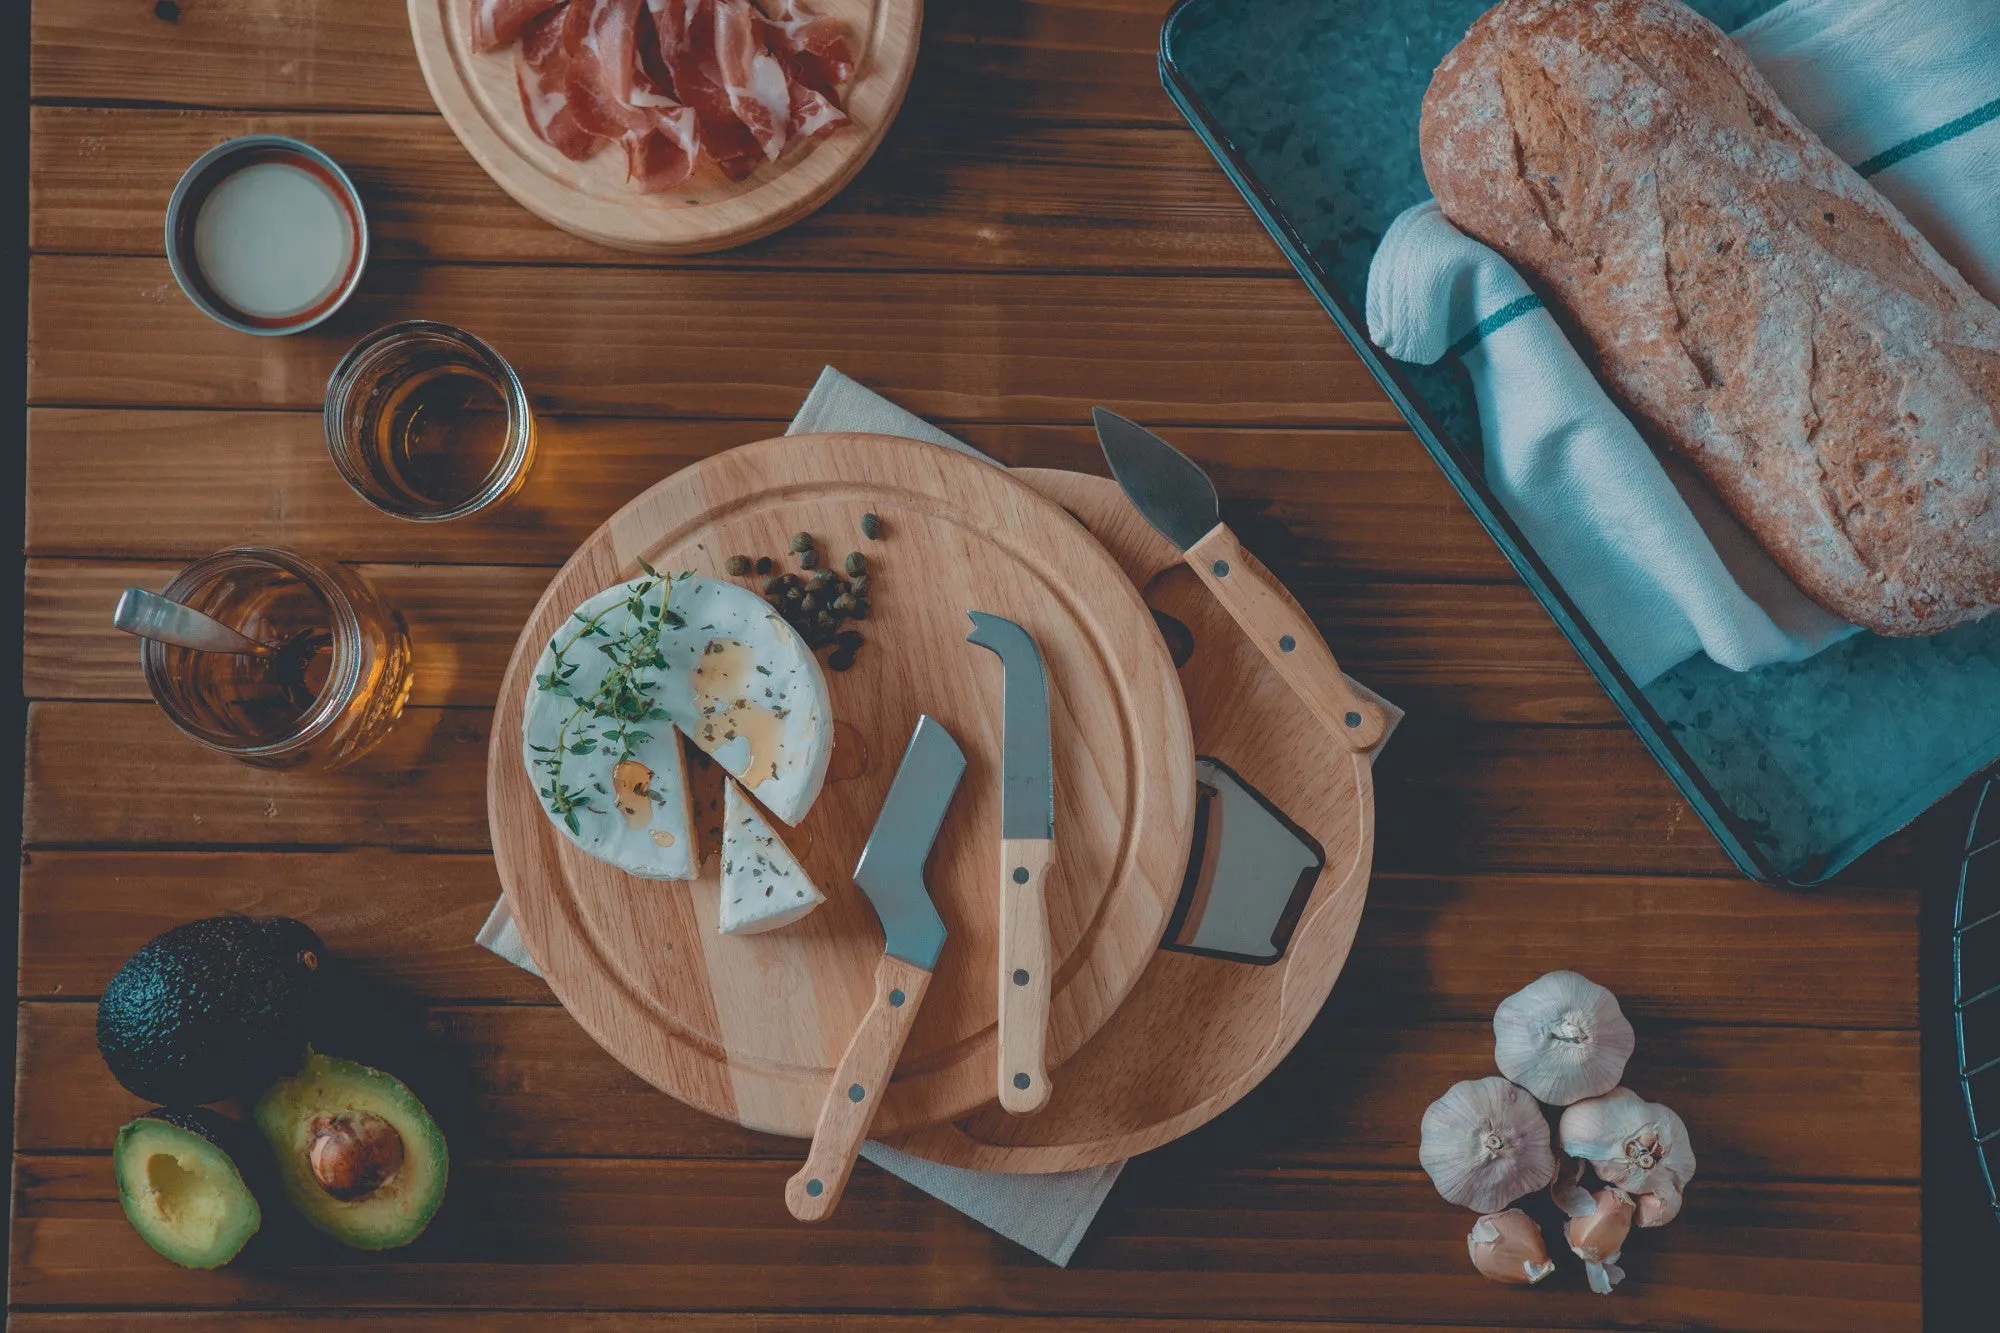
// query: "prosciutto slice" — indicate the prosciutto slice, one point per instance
point(541, 64)
point(614, 98)
point(498, 22)
point(686, 49)
point(759, 93)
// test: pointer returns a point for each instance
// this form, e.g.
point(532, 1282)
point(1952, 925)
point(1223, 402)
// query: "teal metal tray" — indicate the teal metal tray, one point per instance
point(1311, 108)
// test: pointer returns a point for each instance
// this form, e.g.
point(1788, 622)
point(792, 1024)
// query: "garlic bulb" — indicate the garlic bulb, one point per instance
point(1637, 1145)
point(1562, 1038)
point(1507, 1247)
point(1597, 1237)
point(1485, 1144)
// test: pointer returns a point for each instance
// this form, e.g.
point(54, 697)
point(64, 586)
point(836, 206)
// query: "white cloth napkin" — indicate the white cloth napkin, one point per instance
point(1909, 92)
point(1903, 88)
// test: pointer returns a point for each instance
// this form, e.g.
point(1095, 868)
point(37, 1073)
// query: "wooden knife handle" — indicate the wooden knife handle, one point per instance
point(1283, 632)
point(860, 1082)
point(1024, 973)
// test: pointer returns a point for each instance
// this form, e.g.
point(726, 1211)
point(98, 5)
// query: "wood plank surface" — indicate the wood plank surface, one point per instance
point(523, 1081)
point(1227, 1241)
point(1340, 504)
point(675, 342)
point(1114, 198)
point(1431, 947)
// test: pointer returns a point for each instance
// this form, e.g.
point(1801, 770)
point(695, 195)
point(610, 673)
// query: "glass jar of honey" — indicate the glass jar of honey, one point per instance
point(337, 677)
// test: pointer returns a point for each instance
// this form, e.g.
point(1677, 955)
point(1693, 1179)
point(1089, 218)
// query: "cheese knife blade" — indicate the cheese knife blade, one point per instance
point(890, 873)
point(1176, 497)
point(1027, 845)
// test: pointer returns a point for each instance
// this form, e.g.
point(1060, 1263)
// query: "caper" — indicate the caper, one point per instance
point(808, 604)
point(840, 660)
point(775, 586)
point(738, 564)
point(860, 611)
point(802, 541)
point(844, 603)
point(850, 639)
point(857, 564)
point(809, 559)
point(859, 587)
point(822, 577)
point(764, 564)
point(871, 527)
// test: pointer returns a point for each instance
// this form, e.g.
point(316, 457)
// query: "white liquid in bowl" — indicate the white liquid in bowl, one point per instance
point(273, 240)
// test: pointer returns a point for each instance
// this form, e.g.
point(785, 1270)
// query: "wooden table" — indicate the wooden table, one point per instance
point(1039, 233)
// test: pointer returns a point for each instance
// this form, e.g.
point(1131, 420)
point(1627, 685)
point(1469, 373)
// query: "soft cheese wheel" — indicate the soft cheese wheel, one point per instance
point(746, 689)
point(616, 786)
point(763, 884)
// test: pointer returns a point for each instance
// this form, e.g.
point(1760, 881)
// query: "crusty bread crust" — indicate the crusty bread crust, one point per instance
point(1765, 312)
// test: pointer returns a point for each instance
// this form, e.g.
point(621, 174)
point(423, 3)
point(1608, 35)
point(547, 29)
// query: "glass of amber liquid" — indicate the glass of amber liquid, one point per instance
point(427, 422)
point(337, 680)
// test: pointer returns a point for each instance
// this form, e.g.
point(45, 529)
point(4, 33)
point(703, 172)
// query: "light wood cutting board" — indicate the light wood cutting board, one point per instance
point(749, 1028)
point(480, 99)
point(1197, 1032)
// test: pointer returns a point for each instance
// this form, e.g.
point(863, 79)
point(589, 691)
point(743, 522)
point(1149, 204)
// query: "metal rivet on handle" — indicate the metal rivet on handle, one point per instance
point(856, 1093)
point(1020, 874)
point(1221, 568)
point(814, 1188)
point(1352, 719)
point(1022, 1080)
point(896, 996)
point(1020, 976)
point(1287, 643)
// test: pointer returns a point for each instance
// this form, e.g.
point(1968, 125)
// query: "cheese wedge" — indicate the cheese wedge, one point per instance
point(763, 884)
point(744, 687)
point(603, 755)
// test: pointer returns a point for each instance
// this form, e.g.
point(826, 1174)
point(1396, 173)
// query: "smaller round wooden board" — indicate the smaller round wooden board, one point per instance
point(480, 99)
point(750, 1027)
point(1197, 1032)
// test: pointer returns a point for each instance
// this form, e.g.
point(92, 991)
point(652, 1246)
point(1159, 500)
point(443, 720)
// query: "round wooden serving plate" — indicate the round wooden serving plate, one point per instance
point(749, 1027)
point(1197, 1032)
point(481, 101)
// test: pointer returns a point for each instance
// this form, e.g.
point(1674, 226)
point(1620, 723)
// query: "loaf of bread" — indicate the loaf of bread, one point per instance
point(1760, 308)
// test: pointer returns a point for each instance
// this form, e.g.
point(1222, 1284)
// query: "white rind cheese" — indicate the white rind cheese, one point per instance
point(636, 667)
point(622, 781)
point(763, 884)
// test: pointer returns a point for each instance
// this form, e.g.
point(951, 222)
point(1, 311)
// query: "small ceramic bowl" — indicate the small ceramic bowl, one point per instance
point(266, 234)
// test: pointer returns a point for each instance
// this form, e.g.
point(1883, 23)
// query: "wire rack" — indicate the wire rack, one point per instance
point(1975, 965)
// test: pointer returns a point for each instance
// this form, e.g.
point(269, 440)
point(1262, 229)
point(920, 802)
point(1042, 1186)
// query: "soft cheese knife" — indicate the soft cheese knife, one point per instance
point(1027, 839)
point(1177, 498)
point(891, 873)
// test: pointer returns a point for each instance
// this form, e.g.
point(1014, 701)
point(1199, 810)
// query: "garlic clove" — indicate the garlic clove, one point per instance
point(1567, 1189)
point(1637, 1145)
point(1563, 1038)
point(1507, 1247)
point(1600, 1234)
point(1485, 1144)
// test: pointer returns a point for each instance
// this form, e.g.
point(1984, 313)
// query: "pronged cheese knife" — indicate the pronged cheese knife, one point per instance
point(1177, 498)
point(1027, 840)
point(891, 874)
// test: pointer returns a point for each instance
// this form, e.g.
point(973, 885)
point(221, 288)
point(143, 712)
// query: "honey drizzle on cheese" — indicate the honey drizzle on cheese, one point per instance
point(722, 697)
point(631, 785)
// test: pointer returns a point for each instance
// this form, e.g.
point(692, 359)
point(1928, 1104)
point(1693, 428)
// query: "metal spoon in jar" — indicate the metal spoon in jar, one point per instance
point(151, 616)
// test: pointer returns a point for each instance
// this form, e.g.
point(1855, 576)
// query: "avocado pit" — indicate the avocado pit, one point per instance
point(353, 1154)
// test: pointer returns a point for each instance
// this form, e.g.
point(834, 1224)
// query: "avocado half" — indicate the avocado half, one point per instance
point(210, 1010)
point(182, 1189)
point(359, 1156)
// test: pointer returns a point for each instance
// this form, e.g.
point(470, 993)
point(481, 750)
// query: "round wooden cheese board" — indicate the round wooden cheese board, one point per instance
point(479, 97)
point(750, 1027)
point(1197, 1032)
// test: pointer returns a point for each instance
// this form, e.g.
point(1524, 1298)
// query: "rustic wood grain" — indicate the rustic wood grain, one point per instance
point(1322, 506)
point(710, 1235)
point(1429, 947)
point(501, 1321)
point(712, 342)
point(1088, 60)
point(964, 192)
point(1485, 653)
point(522, 1081)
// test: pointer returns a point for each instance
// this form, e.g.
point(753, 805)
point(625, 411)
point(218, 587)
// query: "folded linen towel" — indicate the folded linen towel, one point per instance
point(1909, 92)
point(1902, 88)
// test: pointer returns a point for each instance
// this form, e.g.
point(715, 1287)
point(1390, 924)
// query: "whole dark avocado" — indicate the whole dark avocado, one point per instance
point(213, 1009)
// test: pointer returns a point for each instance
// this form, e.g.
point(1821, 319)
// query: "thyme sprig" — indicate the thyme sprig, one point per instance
point(610, 715)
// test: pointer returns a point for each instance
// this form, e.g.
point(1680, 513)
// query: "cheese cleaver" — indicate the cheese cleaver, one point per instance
point(1249, 876)
point(1027, 833)
point(1177, 498)
point(891, 874)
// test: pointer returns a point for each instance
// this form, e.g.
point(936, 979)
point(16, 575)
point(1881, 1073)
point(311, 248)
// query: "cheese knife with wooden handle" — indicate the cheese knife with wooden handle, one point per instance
point(891, 874)
point(1174, 495)
point(1027, 842)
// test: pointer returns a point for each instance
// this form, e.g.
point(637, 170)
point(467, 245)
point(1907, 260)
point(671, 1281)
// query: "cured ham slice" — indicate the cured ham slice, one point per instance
point(613, 97)
point(498, 22)
point(759, 92)
point(541, 64)
point(686, 48)
point(813, 50)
